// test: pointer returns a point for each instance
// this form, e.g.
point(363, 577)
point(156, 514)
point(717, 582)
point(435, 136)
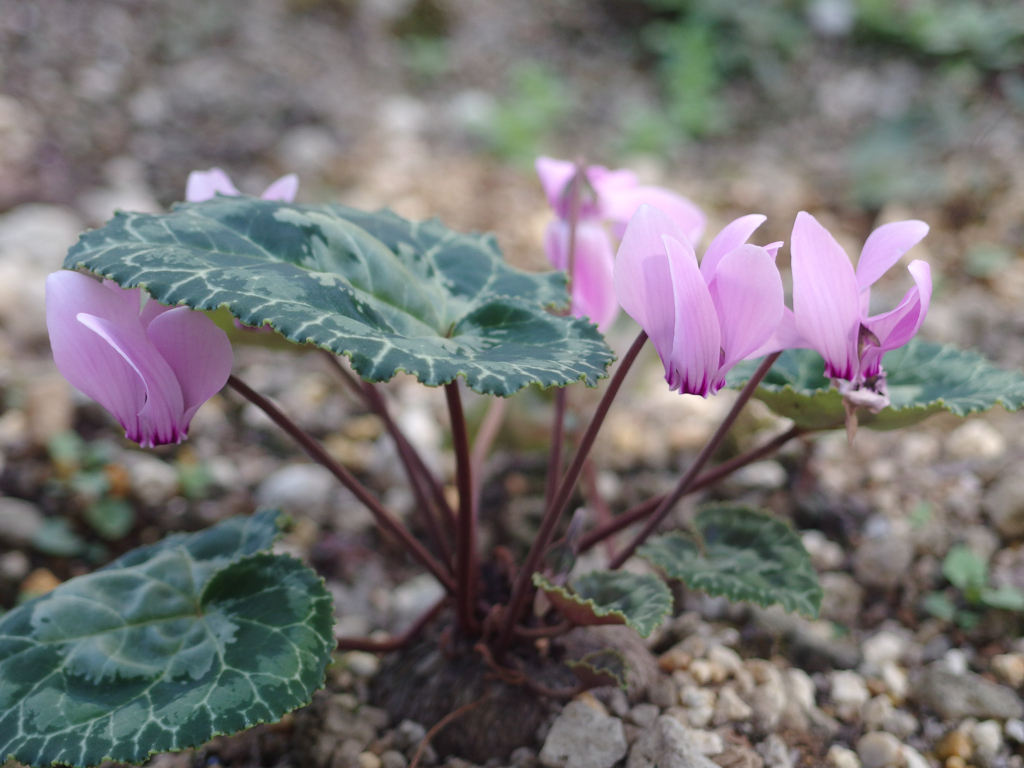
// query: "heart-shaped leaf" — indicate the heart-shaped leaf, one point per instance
point(744, 555)
point(923, 378)
point(611, 597)
point(391, 294)
point(170, 645)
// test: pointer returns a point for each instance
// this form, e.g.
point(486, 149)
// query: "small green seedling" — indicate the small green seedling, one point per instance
point(968, 573)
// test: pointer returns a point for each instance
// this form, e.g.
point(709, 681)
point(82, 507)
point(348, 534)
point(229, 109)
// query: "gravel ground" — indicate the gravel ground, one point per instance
point(110, 104)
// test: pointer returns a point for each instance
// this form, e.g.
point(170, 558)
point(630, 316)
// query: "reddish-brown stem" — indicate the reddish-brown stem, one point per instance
point(484, 440)
point(465, 539)
point(712, 476)
point(441, 724)
point(522, 587)
point(534, 633)
point(319, 454)
point(706, 452)
point(392, 643)
point(555, 457)
point(420, 478)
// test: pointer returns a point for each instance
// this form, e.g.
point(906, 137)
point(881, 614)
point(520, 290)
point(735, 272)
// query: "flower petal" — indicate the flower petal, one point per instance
point(773, 248)
point(87, 361)
point(197, 351)
point(593, 291)
point(748, 297)
point(643, 278)
point(284, 189)
point(697, 342)
point(204, 185)
point(554, 176)
point(619, 204)
point(786, 336)
point(895, 328)
point(158, 420)
point(885, 246)
point(825, 297)
point(732, 236)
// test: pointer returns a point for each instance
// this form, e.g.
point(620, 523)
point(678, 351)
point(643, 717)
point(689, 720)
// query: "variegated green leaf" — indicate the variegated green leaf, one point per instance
point(611, 597)
point(743, 555)
point(599, 668)
point(170, 645)
point(390, 294)
point(923, 379)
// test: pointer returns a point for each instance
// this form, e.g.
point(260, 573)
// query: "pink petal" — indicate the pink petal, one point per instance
point(732, 236)
point(197, 351)
point(607, 183)
point(697, 342)
point(643, 278)
point(619, 205)
point(158, 420)
point(885, 246)
point(773, 248)
point(554, 176)
point(83, 358)
point(284, 189)
point(825, 297)
point(895, 328)
point(204, 185)
point(786, 336)
point(593, 292)
point(748, 297)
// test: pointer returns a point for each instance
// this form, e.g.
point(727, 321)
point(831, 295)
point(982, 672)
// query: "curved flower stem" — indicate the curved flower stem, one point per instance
point(392, 643)
point(712, 476)
point(485, 437)
point(319, 454)
point(524, 578)
point(558, 423)
point(465, 541)
point(423, 483)
point(686, 481)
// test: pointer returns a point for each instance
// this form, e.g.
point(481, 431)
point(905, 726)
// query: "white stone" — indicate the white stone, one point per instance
point(841, 757)
point(895, 680)
point(14, 565)
point(20, 521)
point(879, 749)
point(955, 661)
point(775, 752)
point(881, 648)
point(730, 707)
point(153, 480)
point(300, 489)
point(800, 688)
point(581, 737)
point(912, 758)
point(975, 439)
point(876, 711)
point(988, 738)
point(1014, 729)
point(410, 599)
point(725, 658)
point(1010, 667)
point(761, 475)
point(825, 554)
point(708, 743)
point(849, 693)
point(666, 744)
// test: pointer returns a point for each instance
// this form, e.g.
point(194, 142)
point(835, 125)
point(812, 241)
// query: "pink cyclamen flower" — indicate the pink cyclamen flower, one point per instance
point(150, 365)
point(830, 305)
point(204, 185)
point(610, 201)
point(702, 320)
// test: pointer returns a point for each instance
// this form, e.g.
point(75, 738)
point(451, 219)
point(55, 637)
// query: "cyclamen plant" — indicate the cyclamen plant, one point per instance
point(213, 632)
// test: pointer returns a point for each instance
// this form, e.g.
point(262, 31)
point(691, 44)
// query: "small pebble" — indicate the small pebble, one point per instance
point(393, 759)
point(1010, 667)
point(368, 760)
point(955, 762)
point(841, 757)
point(825, 554)
point(361, 663)
point(730, 707)
point(988, 739)
point(708, 743)
point(975, 439)
point(14, 565)
point(849, 693)
point(40, 582)
point(643, 715)
point(673, 659)
point(882, 648)
point(1014, 729)
point(954, 744)
point(879, 749)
